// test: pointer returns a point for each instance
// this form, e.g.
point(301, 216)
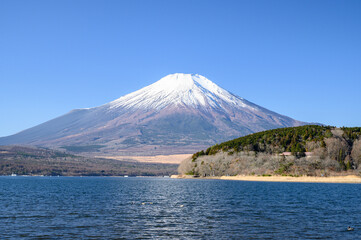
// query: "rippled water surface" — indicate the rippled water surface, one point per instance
point(162, 208)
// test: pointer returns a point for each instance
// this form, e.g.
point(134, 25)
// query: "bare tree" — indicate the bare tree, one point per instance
point(186, 166)
point(336, 148)
point(356, 153)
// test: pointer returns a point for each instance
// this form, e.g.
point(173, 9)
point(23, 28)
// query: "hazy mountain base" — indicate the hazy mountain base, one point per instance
point(35, 161)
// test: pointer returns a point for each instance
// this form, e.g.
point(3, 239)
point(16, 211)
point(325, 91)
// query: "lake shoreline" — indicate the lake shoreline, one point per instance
point(304, 179)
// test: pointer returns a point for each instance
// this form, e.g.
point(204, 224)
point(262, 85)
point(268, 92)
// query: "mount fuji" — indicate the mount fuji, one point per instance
point(180, 113)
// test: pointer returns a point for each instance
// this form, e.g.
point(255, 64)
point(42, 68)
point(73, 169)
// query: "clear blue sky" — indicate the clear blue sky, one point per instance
point(298, 58)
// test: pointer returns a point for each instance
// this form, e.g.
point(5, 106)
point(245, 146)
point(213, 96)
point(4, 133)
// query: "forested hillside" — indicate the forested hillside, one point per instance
point(305, 150)
point(35, 161)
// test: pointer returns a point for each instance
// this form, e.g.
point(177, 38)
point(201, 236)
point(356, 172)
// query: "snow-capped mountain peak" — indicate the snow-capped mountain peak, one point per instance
point(180, 113)
point(192, 90)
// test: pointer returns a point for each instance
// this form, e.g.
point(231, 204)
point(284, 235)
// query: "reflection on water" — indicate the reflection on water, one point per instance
point(153, 208)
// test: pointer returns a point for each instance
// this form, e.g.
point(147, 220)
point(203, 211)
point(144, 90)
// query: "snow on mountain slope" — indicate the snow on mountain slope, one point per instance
point(180, 113)
point(179, 89)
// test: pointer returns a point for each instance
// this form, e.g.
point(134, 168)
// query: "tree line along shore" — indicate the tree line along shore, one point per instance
point(309, 150)
point(22, 160)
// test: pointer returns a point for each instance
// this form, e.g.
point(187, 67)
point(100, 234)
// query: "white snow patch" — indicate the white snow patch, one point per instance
point(191, 90)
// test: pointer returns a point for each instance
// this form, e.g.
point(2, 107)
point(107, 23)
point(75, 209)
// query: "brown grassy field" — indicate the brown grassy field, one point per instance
point(165, 159)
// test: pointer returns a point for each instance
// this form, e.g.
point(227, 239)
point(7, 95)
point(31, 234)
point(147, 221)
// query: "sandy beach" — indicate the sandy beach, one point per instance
point(334, 179)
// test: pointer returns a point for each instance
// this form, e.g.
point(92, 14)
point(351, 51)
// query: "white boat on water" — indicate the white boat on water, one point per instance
point(125, 175)
point(13, 175)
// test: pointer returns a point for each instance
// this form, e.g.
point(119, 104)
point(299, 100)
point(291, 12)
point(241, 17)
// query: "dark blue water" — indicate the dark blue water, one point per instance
point(157, 208)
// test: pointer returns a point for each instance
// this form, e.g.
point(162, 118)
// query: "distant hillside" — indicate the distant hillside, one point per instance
point(35, 161)
point(305, 150)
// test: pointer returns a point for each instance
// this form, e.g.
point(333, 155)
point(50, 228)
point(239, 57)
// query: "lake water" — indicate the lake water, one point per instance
point(163, 208)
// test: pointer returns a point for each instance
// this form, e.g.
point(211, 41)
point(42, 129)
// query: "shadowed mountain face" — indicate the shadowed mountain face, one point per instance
point(181, 113)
